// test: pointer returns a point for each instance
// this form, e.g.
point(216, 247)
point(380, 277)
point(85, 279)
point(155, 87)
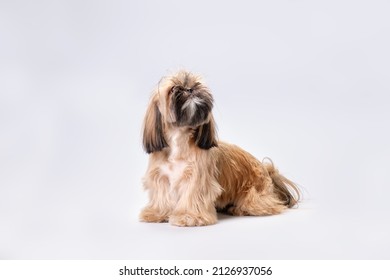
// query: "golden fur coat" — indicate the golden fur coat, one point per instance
point(191, 174)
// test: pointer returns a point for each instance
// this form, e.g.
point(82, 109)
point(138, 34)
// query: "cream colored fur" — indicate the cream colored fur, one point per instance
point(188, 181)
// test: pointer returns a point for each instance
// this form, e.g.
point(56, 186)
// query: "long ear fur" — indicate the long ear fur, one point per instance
point(153, 135)
point(206, 135)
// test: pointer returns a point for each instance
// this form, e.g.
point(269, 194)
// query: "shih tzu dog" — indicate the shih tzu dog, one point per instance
point(191, 174)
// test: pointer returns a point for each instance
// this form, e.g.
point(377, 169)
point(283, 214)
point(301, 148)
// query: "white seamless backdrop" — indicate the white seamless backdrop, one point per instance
point(303, 82)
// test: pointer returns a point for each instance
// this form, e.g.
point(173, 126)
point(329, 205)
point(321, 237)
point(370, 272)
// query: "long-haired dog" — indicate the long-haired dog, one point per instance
point(191, 174)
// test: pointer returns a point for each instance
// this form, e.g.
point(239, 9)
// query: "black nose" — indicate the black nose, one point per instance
point(189, 90)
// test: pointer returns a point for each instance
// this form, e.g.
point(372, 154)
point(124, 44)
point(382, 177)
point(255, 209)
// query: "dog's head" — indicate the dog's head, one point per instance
point(180, 100)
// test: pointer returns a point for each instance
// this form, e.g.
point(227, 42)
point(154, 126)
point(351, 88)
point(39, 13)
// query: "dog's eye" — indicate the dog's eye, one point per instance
point(175, 89)
point(172, 90)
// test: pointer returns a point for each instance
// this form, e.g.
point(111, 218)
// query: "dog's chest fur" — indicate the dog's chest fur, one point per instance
point(178, 159)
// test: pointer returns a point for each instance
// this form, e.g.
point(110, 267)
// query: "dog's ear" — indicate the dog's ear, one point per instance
point(153, 135)
point(206, 135)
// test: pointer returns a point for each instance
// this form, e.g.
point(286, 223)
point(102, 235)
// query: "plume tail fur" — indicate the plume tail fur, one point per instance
point(287, 191)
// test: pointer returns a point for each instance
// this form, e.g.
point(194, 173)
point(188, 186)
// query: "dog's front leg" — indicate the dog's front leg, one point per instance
point(196, 204)
point(160, 205)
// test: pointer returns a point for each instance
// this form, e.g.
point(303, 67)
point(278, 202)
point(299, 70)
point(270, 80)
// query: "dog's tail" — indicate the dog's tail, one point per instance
point(287, 191)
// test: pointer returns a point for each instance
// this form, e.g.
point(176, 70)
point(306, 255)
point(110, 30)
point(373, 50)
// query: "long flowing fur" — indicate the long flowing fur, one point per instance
point(287, 191)
point(191, 174)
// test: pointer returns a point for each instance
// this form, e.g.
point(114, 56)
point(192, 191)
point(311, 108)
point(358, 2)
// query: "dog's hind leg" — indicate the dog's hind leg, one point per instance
point(255, 203)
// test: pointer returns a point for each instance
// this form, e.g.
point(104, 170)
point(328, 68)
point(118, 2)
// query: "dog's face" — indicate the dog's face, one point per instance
point(181, 100)
point(189, 101)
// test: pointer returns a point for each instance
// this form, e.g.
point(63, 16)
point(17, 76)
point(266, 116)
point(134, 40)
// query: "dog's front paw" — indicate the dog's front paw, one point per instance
point(151, 215)
point(191, 220)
